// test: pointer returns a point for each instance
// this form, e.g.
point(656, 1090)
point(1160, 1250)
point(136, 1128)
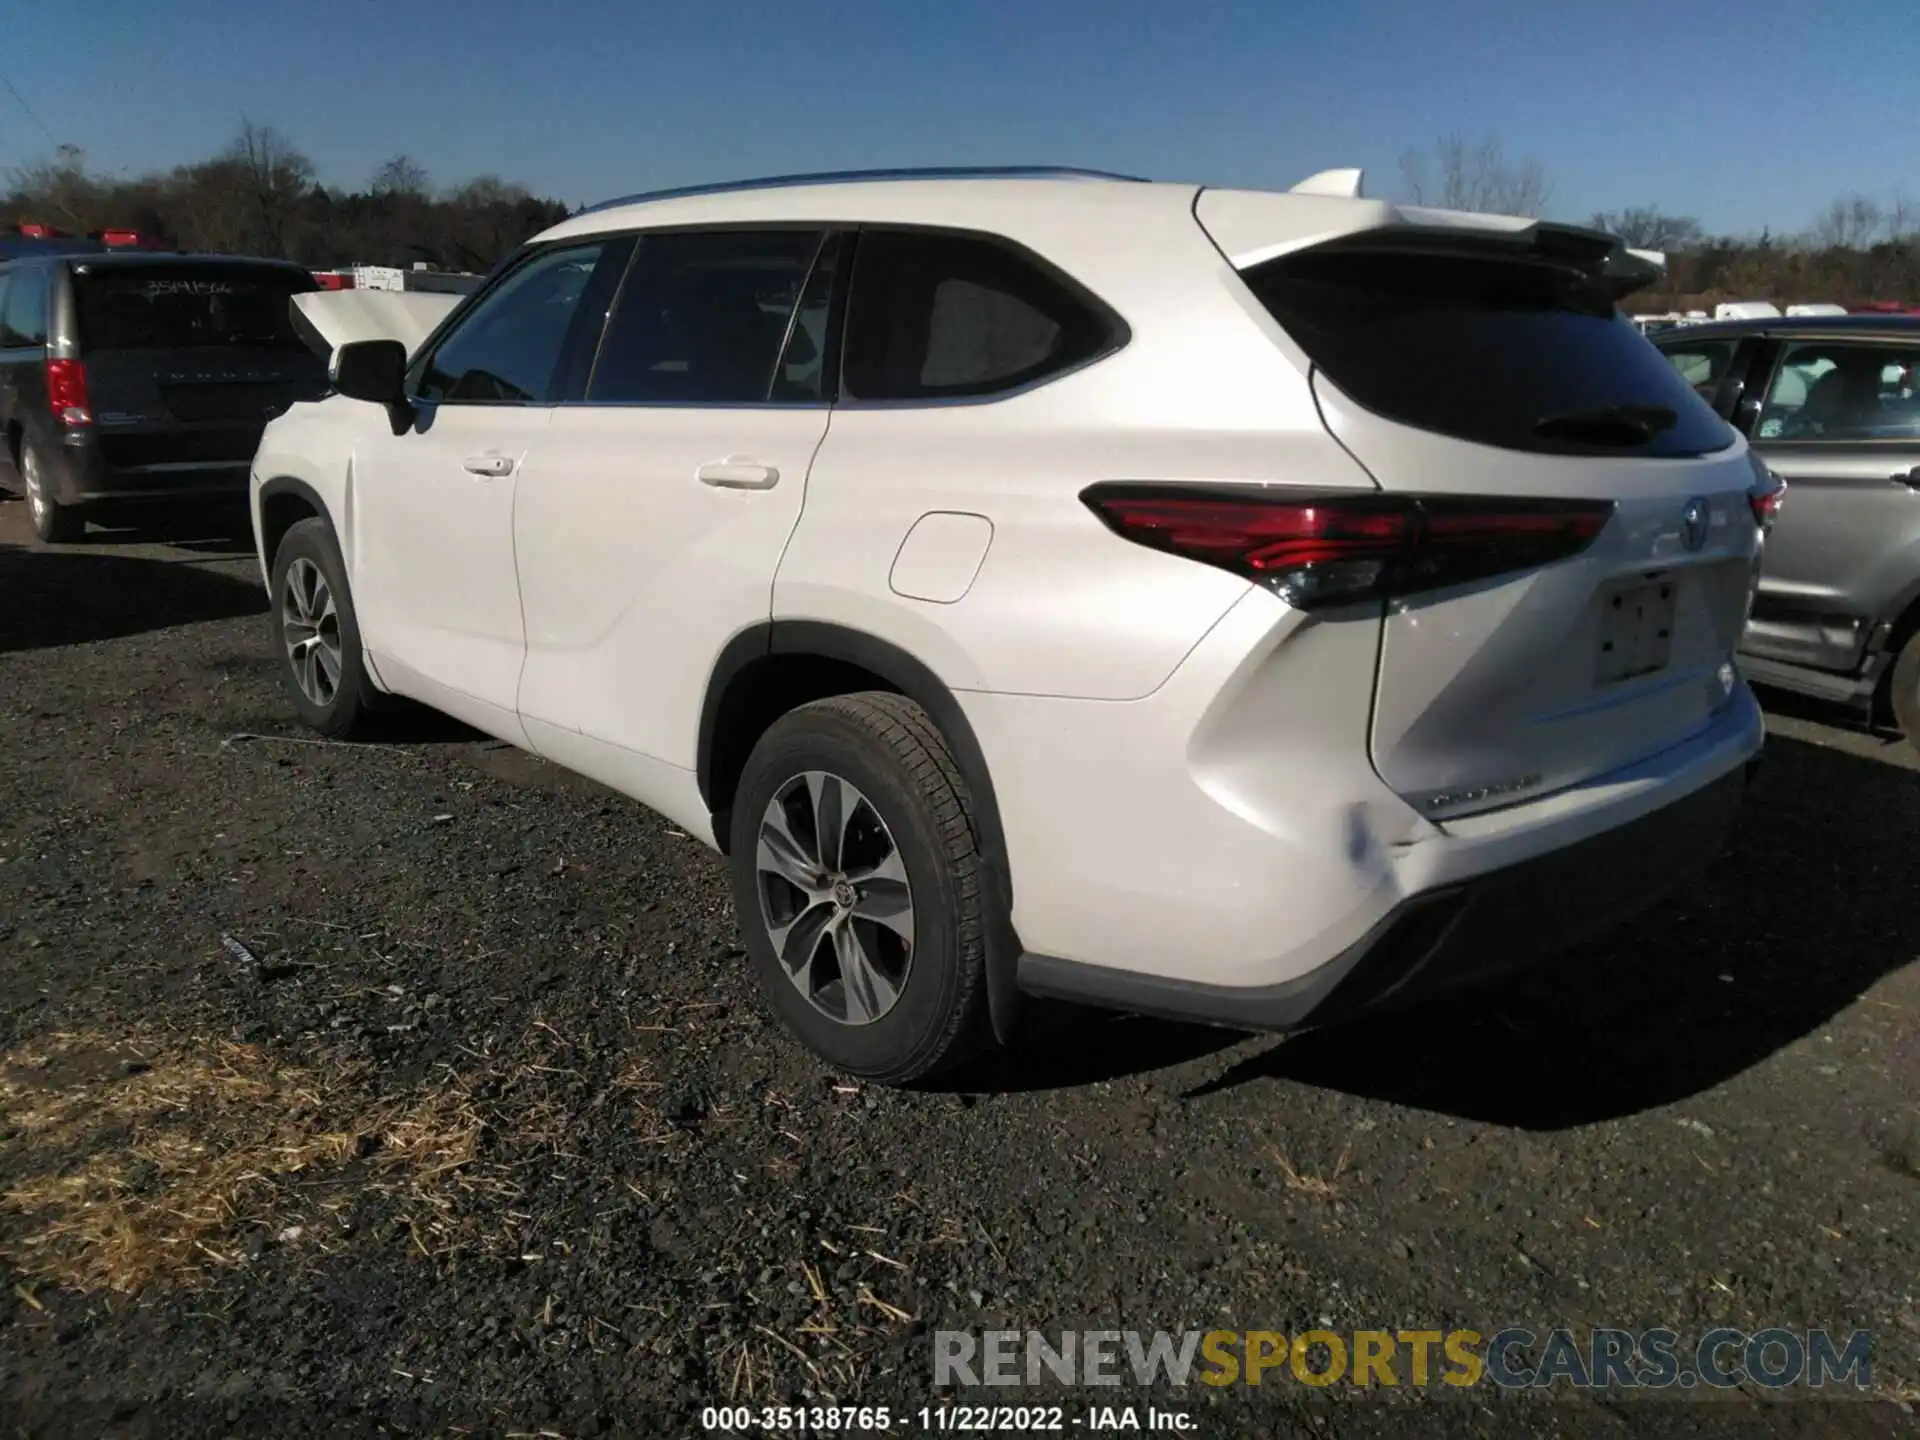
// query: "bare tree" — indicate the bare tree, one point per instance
point(401, 175)
point(1903, 220)
point(1849, 223)
point(277, 177)
point(64, 192)
point(1649, 228)
point(1460, 174)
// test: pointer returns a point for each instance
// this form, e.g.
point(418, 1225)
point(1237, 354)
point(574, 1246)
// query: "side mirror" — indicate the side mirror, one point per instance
point(374, 370)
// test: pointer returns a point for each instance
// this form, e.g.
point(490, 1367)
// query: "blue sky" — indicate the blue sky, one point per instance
point(1746, 115)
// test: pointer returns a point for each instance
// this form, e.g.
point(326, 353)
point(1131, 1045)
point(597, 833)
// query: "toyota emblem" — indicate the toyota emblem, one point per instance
point(1694, 521)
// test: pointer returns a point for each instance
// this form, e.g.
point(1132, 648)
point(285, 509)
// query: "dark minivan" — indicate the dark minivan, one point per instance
point(135, 377)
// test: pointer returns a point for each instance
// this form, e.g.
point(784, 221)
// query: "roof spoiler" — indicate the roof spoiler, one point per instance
point(1346, 184)
point(1254, 226)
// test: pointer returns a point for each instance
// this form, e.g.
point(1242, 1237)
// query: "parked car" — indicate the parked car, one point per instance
point(17, 246)
point(1301, 606)
point(1832, 404)
point(130, 378)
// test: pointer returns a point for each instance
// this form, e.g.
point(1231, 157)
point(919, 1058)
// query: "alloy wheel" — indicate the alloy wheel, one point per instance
point(834, 897)
point(310, 626)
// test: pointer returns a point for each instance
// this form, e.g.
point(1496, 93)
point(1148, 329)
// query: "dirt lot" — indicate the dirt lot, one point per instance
point(477, 1123)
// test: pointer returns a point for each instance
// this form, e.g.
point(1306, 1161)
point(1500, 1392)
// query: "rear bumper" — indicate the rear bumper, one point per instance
point(1448, 936)
point(1229, 834)
point(84, 472)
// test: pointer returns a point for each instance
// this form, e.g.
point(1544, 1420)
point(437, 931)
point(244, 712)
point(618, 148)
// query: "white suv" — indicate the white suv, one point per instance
point(1230, 605)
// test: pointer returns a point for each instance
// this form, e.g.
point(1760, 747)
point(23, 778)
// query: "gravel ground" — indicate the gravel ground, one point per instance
point(418, 1085)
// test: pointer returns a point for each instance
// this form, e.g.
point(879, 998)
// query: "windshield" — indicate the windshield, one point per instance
point(181, 307)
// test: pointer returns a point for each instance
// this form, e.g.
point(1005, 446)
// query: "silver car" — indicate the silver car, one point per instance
point(1832, 405)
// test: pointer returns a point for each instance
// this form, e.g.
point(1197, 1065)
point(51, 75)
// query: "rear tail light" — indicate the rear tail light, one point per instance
point(1314, 550)
point(1768, 494)
point(67, 392)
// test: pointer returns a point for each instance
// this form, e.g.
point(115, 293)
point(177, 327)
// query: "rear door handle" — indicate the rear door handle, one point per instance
point(731, 474)
point(494, 465)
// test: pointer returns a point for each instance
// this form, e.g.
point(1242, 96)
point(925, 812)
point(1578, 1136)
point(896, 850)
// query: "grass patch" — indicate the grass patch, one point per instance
point(127, 1160)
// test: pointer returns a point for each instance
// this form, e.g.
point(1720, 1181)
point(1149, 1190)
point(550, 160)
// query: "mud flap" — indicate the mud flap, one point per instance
point(1003, 961)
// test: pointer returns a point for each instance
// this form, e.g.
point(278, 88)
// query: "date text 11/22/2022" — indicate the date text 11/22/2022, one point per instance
point(952, 1419)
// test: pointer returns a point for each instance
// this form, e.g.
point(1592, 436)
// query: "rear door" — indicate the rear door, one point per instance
point(1452, 367)
point(187, 361)
point(666, 498)
point(1840, 422)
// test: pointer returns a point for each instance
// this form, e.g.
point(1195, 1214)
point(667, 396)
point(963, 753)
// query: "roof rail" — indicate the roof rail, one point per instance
point(839, 177)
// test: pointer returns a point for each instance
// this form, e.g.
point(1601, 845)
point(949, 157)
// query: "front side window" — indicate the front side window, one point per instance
point(1836, 391)
point(508, 349)
point(24, 320)
point(937, 316)
point(707, 317)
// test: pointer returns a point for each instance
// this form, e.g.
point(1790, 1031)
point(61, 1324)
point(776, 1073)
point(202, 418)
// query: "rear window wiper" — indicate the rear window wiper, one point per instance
point(1609, 424)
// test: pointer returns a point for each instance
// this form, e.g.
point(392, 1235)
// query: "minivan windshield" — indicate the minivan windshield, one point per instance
point(1503, 351)
point(185, 307)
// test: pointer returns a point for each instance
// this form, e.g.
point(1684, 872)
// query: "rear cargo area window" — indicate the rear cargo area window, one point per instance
point(1503, 351)
point(187, 307)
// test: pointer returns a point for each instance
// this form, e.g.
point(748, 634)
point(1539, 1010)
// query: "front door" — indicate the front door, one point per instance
point(433, 564)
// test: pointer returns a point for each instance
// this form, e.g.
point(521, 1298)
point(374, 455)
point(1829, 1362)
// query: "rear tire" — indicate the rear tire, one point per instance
point(54, 523)
point(317, 634)
point(871, 947)
point(1903, 690)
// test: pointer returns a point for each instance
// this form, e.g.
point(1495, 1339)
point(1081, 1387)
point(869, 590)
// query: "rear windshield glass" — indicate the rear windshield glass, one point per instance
point(182, 307)
point(1523, 356)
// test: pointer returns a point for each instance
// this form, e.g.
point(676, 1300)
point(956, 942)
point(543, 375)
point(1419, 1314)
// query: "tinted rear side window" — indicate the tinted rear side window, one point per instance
point(937, 316)
point(1501, 351)
point(187, 307)
point(703, 318)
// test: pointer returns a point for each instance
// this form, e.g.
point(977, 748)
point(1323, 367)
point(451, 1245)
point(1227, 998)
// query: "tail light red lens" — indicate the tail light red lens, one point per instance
point(1315, 550)
point(67, 392)
point(1768, 494)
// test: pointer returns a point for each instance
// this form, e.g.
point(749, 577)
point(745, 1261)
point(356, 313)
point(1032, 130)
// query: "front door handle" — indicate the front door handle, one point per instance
point(734, 474)
point(493, 465)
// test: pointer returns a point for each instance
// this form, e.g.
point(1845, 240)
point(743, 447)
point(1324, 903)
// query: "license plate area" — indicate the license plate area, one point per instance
point(1636, 629)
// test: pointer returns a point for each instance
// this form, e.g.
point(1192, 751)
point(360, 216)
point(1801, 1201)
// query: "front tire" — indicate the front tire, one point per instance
point(858, 884)
point(54, 523)
point(316, 632)
point(1903, 690)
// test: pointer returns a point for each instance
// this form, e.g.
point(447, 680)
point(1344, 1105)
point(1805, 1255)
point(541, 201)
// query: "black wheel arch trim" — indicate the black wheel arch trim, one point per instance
point(290, 485)
point(913, 679)
point(285, 485)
